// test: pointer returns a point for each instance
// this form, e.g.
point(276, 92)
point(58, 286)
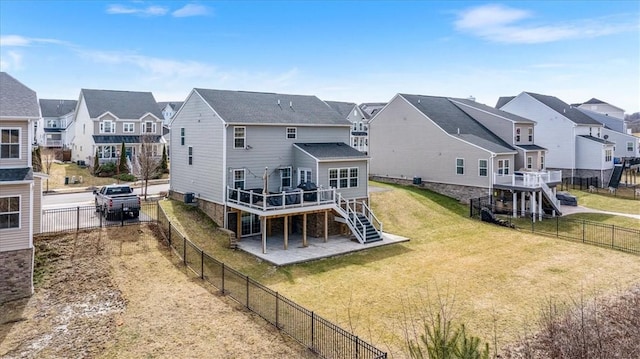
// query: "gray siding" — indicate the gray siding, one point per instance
point(302, 160)
point(403, 143)
point(358, 192)
point(204, 131)
point(17, 238)
point(269, 147)
point(25, 146)
point(590, 155)
point(37, 204)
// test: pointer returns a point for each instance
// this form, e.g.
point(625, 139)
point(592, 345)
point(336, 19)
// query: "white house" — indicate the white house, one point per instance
point(55, 128)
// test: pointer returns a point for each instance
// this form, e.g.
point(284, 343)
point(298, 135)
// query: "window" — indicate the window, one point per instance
point(529, 162)
point(190, 155)
point(285, 177)
point(128, 127)
point(541, 162)
point(629, 146)
point(9, 212)
point(460, 166)
point(107, 127)
point(607, 155)
point(304, 175)
point(10, 143)
point(517, 134)
point(503, 167)
point(149, 127)
point(361, 126)
point(239, 137)
point(530, 134)
point(482, 168)
point(106, 152)
point(238, 179)
point(355, 142)
point(182, 136)
point(343, 177)
point(292, 133)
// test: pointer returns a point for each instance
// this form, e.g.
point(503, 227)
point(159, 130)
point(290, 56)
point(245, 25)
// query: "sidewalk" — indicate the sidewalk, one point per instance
point(136, 184)
point(581, 209)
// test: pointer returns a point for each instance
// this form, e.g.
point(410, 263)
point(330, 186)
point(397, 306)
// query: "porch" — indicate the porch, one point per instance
point(527, 180)
point(527, 191)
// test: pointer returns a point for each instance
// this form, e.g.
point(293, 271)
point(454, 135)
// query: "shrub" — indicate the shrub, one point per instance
point(126, 177)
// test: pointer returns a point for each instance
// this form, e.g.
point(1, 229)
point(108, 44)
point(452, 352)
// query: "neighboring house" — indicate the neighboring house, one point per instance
point(575, 141)
point(20, 188)
point(601, 107)
point(242, 155)
point(104, 119)
point(55, 128)
point(169, 110)
point(449, 145)
point(615, 131)
point(359, 138)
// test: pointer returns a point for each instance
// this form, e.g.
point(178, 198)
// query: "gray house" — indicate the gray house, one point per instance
point(244, 155)
point(359, 138)
point(461, 149)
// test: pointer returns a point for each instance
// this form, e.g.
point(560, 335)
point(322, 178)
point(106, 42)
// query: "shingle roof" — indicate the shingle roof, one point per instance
point(241, 107)
point(454, 121)
point(123, 104)
point(369, 109)
point(596, 139)
point(16, 174)
point(531, 147)
point(120, 139)
point(505, 114)
point(175, 105)
point(343, 108)
point(16, 99)
point(327, 151)
point(503, 101)
point(594, 101)
point(564, 109)
point(57, 108)
point(610, 122)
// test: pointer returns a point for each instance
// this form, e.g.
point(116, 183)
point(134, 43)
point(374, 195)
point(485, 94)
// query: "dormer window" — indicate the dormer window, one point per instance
point(107, 126)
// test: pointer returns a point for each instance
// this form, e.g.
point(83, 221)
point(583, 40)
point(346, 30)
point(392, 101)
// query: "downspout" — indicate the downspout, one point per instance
point(492, 176)
point(573, 158)
point(225, 174)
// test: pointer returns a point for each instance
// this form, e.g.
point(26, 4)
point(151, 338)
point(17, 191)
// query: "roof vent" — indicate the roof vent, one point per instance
point(471, 98)
point(458, 130)
point(278, 102)
point(418, 100)
point(291, 104)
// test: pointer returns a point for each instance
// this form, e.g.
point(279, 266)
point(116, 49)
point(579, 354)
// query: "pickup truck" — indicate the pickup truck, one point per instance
point(113, 199)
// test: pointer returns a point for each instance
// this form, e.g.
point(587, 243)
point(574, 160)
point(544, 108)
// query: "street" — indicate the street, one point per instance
point(66, 200)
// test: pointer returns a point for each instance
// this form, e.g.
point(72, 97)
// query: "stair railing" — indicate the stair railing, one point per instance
point(351, 216)
point(550, 196)
point(375, 222)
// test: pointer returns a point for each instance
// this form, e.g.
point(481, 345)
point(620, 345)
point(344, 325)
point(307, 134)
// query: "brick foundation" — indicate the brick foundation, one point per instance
point(459, 192)
point(16, 274)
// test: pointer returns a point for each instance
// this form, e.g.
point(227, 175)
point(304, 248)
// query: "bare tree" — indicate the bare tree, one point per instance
point(148, 160)
point(47, 157)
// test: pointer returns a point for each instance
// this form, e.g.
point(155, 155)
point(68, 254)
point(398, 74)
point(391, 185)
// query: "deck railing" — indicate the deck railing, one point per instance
point(294, 198)
point(528, 179)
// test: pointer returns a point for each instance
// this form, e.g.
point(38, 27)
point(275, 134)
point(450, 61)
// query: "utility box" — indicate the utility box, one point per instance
point(417, 180)
point(189, 197)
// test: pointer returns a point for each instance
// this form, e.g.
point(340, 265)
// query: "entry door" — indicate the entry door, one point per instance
point(304, 175)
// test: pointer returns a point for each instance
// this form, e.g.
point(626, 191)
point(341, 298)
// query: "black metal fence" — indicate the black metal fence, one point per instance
point(577, 230)
point(86, 217)
point(316, 333)
point(581, 183)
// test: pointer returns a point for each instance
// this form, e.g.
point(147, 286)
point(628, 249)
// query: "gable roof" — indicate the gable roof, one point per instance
point(16, 99)
point(504, 114)
point(596, 139)
point(122, 104)
point(456, 122)
point(57, 108)
point(564, 109)
point(330, 151)
point(343, 108)
point(242, 107)
point(370, 109)
point(610, 122)
point(175, 105)
point(503, 101)
point(16, 174)
point(595, 101)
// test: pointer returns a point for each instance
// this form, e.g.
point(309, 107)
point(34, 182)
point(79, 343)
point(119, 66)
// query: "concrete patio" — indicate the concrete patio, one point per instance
point(316, 247)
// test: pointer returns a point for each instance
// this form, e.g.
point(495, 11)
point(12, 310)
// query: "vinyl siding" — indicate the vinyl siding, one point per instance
point(303, 160)
point(37, 204)
point(83, 141)
point(25, 146)
point(552, 131)
point(17, 238)
point(358, 192)
point(204, 131)
point(591, 154)
point(403, 143)
point(270, 148)
point(621, 140)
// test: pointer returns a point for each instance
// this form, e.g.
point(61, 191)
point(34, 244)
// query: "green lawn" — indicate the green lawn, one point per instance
point(497, 276)
point(606, 202)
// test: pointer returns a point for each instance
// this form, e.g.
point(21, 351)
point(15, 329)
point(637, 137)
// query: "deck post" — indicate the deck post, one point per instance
point(286, 232)
point(514, 196)
point(540, 205)
point(239, 225)
point(326, 226)
point(522, 203)
point(263, 224)
point(304, 230)
point(532, 196)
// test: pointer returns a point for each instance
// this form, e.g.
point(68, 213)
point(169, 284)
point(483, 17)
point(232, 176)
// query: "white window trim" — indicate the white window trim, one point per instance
point(630, 146)
point(143, 129)
point(190, 155)
point(530, 134)
point(518, 134)
point(529, 163)
point(503, 167)
point(348, 177)
point(302, 170)
point(244, 137)
point(294, 132)
point(608, 155)
point(485, 167)
point(124, 127)
point(290, 177)
point(19, 213)
point(244, 177)
point(182, 136)
point(19, 142)
point(459, 174)
point(112, 126)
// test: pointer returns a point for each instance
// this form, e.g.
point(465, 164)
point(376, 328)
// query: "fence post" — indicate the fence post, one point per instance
point(583, 230)
point(471, 208)
point(169, 222)
point(202, 265)
point(222, 289)
point(313, 319)
point(121, 214)
point(184, 250)
point(277, 300)
point(77, 218)
point(248, 292)
point(357, 346)
point(613, 235)
point(557, 226)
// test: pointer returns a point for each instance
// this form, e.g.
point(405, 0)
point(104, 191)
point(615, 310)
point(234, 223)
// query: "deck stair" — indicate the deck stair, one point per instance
point(551, 198)
point(616, 176)
point(363, 224)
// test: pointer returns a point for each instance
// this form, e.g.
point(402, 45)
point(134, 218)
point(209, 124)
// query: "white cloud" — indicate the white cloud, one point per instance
point(502, 24)
point(191, 10)
point(12, 61)
point(17, 40)
point(143, 11)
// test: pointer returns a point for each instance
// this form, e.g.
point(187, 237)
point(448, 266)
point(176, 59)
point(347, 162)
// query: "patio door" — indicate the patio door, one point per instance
point(304, 175)
point(250, 224)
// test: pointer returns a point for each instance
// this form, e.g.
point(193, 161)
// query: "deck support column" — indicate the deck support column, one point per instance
point(263, 224)
point(540, 205)
point(522, 203)
point(532, 196)
point(286, 232)
point(239, 225)
point(304, 230)
point(515, 204)
point(326, 226)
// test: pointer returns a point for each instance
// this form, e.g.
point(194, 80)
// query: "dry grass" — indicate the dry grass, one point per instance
point(607, 202)
point(497, 276)
point(61, 170)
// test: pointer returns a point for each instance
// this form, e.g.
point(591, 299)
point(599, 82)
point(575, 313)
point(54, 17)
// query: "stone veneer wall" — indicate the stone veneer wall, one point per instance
point(16, 274)
point(461, 193)
point(214, 210)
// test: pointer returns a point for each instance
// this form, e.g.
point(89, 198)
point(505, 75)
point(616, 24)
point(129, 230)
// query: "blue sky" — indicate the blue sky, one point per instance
point(356, 51)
